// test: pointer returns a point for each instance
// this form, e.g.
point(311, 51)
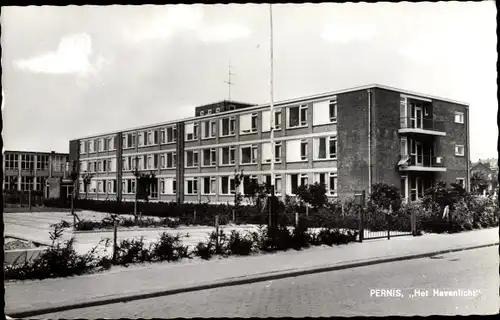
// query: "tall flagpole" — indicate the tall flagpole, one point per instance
point(271, 104)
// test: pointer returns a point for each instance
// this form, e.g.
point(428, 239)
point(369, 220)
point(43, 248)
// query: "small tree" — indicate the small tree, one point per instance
point(478, 182)
point(87, 178)
point(384, 196)
point(238, 179)
point(313, 194)
point(254, 190)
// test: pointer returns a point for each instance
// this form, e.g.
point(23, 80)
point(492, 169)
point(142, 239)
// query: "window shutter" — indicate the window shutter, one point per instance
point(105, 144)
point(156, 136)
point(145, 161)
point(155, 157)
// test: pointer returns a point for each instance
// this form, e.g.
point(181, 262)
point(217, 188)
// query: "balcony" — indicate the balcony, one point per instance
point(421, 162)
point(420, 125)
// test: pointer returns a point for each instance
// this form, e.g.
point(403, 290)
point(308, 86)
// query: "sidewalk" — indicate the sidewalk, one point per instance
point(119, 282)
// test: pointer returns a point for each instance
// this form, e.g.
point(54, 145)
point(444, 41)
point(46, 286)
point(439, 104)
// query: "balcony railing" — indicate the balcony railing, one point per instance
point(421, 160)
point(421, 123)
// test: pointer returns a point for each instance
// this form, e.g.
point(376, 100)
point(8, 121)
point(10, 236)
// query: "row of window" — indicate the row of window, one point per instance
point(208, 185)
point(324, 148)
point(325, 112)
point(29, 161)
point(12, 183)
point(98, 145)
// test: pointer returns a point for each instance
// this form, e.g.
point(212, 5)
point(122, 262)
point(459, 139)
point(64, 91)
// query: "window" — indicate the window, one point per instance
point(248, 123)
point(459, 117)
point(209, 157)
point(326, 148)
point(297, 116)
point(91, 146)
point(191, 159)
point(461, 181)
point(232, 107)
point(169, 134)
point(278, 188)
point(11, 161)
point(227, 185)
point(111, 143)
point(228, 126)
point(333, 110)
point(99, 186)
point(208, 129)
point(27, 162)
point(209, 111)
point(209, 185)
point(217, 110)
point(248, 154)
point(266, 152)
point(171, 160)
point(277, 120)
point(141, 139)
point(42, 162)
point(303, 150)
point(191, 186)
point(163, 136)
point(228, 155)
point(26, 183)
point(294, 151)
point(130, 140)
point(150, 138)
point(323, 111)
point(82, 147)
point(296, 180)
point(10, 183)
point(459, 150)
point(191, 131)
point(167, 186)
point(202, 113)
point(329, 180)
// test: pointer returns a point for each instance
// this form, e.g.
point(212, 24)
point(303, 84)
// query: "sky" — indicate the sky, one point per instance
point(74, 71)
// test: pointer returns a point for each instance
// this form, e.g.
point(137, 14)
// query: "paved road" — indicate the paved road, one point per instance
point(339, 293)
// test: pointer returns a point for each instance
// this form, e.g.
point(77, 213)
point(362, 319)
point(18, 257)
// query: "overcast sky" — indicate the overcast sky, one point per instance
point(74, 71)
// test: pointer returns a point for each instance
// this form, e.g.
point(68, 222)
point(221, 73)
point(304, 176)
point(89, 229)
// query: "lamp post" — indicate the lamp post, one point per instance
point(74, 178)
point(30, 186)
point(271, 105)
point(136, 174)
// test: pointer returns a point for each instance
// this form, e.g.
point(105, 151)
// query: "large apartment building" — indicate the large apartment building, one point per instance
point(38, 171)
point(347, 140)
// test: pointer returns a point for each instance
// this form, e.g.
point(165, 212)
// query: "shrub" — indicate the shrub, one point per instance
point(132, 251)
point(384, 195)
point(169, 248)
point(240, 245)
point(300, 236)
point(204, 250)
point(87, 225)
point(334, 236)
point(62, 224)
point(59, 260)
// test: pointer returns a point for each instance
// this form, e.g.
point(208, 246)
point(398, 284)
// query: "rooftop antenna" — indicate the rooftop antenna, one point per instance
point(229, 82)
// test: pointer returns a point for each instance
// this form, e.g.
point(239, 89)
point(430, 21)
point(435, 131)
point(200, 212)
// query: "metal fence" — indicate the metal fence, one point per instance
point(22, 198)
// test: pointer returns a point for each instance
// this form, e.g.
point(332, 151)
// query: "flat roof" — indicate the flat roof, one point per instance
point(37, 152)
point(277, 103)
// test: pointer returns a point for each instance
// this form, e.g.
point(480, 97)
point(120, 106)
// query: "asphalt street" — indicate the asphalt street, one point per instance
point(413, 287)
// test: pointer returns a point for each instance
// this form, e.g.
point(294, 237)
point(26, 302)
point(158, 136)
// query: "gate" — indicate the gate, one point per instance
point(374, 224)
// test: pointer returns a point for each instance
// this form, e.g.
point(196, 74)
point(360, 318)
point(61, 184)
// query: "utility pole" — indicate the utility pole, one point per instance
point(136, 173)
point(271, 104)
point(229, 82)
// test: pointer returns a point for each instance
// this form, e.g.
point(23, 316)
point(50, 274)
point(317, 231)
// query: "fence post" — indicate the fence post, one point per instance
point(307, 210)
point(360, 200)
point(217, 233)
point(194, 215)
point(29, 198)
point(389, 212)
point(413, 223)
point(115, 231)
point(234, 216)
point(296, 218)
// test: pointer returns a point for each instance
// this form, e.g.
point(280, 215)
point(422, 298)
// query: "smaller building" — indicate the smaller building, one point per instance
point(44, 172)
point(490, 174)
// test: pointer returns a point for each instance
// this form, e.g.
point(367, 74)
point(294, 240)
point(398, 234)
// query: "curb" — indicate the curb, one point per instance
point(273, 275)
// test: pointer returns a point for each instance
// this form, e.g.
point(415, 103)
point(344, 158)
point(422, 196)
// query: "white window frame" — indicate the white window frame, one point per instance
point(231, 131)
point(462, 180)
point(210, 192)
point(195, 165)
point(303, 123)
point(195, 132)
point(212, 157)
point(91, 146)
point(278, 191)
point(328, 175)
point(327, 146)
point(191, 180)
point(209, 111)
point(333, 102)
point(304, 157)
point(459, 117)
point(230, 191)
point(253, 159)
point(457, 149)
point(82, 147)
point(232, 162)
point(202, 113)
